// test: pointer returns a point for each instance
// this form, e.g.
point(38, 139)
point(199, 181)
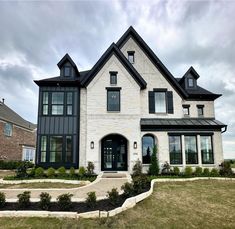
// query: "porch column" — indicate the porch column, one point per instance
point(183, 151)
point(199, 151)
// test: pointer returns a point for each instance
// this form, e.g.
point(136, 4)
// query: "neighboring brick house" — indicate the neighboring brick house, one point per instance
point(116, 112)
point(17, 136)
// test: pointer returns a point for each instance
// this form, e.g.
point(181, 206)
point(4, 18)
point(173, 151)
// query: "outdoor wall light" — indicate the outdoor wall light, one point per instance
point(92, 145)
point(135, 145)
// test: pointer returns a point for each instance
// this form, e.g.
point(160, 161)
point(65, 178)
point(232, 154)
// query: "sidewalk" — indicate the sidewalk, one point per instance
point(101, 185)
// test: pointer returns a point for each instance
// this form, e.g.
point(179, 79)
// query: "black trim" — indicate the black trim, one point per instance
point(113, 88)
point(170, 102)
point(151, 102)
point(113, 50)
point(181, 154)
point(160, 89)
point(192, 135)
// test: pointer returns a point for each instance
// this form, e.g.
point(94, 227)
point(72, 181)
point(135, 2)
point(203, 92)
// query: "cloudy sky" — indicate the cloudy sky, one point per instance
point(36, 35)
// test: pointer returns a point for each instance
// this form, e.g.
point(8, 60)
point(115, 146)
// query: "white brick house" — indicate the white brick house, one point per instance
point(124, 105)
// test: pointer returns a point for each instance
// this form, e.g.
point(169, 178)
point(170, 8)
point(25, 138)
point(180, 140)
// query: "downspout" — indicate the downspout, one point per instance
point(225, 129)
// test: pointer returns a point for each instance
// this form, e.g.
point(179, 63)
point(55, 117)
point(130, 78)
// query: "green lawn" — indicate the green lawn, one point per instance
point(198, 204)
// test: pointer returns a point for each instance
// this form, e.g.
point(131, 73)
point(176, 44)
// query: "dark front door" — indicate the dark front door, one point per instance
point(114, 153)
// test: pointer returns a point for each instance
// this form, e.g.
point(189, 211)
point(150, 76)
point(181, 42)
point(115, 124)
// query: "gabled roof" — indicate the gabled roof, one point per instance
point(113, 49)
point(152, 56)
point(69, 59)
point(191, 71)
point(8, 115)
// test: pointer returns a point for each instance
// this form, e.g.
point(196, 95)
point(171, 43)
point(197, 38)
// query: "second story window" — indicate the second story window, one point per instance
point(131, 56)
point(200, 110)
point(113, 78)
point(67, 71)
point(113, 99)
point(186, 110)
point(69, 103)
point(57, 103)
point(45, 103)
point(160, 101)
point(8, 129)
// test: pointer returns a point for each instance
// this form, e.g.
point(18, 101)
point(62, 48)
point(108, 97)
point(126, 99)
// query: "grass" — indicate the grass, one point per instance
point(197, 204)
point(41, 185)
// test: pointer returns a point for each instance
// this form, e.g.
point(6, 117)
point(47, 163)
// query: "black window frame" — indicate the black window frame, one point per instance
point(45, 104)
point(186, 154)
point(212, 150)
point(70, 71)
point(160, 90)
point(46, 148)
point(174, 156)
point(113, 77)
point(187, 107)
point(69, 104)
point(200, 107)
point(131, 54)
point(58, 104)
point(112, 89)
point(154, 143)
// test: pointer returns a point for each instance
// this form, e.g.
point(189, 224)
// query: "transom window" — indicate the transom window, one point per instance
point(8, 129)
point(57, 103)
point(147, 148)
point(67, 71)
point(190, 82)
point(113, 100)
point(206, 150)
point(113, 78)
point(175, 149)
point(131, 57)
point(160, 101)
point(191, 149)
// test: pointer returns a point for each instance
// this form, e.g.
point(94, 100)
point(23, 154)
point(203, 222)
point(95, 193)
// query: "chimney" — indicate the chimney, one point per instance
point(3, 100)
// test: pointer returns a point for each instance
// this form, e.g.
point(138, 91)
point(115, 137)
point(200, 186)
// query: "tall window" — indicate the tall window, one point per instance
point(113, 78)
point(43, 148)
point(131, 56)
point(69, 103)
point(57, 103)
point(191, 149)
point(45, 103)
point(206, 150)
point(113, 100)
point(56, 148)
point(175, 150)
point(67, 71)
point(147, 148)
point(68, 155)
point(8, 129)
point(190, 82)
point(160, 102)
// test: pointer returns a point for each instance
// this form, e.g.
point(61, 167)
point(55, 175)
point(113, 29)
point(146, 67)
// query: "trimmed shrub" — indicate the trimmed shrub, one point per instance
point(21, 171)
point(206, 172)
point(45, 201)
point(81, 171)
point(176, 170)
point(166, 168)
point(154, 168)
point(214, 172)
point(225, 169)
point(72, 171)
point(32, 172)
point(90, 168)
point(64, 201)
point(2, 199)
point(137, 168)
point(198, 171)
point(51, 172)
point(128, 189)
point(140, 183)
point(24, 199)
point(61, 171)
point(39, 172)
point(91, 199)
point(113, 196)
point(188, 171)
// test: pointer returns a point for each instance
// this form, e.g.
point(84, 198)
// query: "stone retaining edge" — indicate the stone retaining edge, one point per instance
point(129, 203)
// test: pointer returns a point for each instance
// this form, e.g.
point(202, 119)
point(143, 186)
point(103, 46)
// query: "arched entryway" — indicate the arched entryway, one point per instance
point(114, 153)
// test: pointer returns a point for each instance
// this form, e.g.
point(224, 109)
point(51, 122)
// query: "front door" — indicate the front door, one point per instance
point(114, 153)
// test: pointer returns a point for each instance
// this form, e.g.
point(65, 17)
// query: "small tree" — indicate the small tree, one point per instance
point(154, 168)
point(91, 199)
point(81, 171)
point(45, 201)
point(21, 171)
point(2, 199)
point(64, 201)
point(137, 168)
point(113, 196)
point(72, 171)
point(90, 168)
point(24, 199)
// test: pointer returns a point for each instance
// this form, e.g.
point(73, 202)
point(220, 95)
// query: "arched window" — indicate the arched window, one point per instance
point(147, 148)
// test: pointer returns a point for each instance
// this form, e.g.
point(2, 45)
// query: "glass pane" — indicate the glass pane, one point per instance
point(121, 155)
point(45, 98)
point(190, 82)
point(108, 154)
point(43, 156)
point(57, 97)
point(186, 111)
point(56, 143)
point(67, 71)
point(131, 58)
point(113, 79)
point(191, 149)
point(113, 100)
point(69, 149)
point(57, 109)
point(147, 148)
point(175, 150)
point(206, 150)
point(69, 110)
point(45, 110)
point(200, 111)
point(69, 97)
point(43, 143)
point(8, 129)
point(160, 102)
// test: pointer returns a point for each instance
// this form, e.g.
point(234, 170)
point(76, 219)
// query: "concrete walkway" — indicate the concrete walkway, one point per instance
point(103, 183)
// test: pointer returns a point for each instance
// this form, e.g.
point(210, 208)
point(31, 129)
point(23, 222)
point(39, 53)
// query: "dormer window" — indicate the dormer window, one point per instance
point(131, 56)
point(190, 82)
point(67, 71)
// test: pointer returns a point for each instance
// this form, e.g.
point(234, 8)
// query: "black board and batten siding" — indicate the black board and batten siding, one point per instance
point(59, 125)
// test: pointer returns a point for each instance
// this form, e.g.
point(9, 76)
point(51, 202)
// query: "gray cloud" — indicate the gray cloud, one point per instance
point(35, 36)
